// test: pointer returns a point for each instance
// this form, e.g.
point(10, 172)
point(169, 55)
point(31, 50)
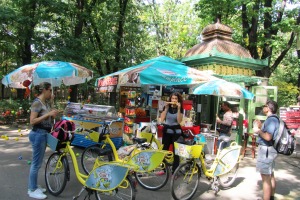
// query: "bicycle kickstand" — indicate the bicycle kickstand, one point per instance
point(90, 192)
point(215, 185)
point(82, 189)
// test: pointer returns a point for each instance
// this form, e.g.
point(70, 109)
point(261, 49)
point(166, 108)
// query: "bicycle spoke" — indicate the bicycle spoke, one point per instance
point(185, 181)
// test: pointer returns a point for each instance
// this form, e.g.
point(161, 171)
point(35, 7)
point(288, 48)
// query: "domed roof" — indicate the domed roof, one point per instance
point(218, 37)
point(217, 30)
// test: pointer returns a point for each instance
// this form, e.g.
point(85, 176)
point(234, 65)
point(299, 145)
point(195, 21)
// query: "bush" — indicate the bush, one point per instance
point(11, 110)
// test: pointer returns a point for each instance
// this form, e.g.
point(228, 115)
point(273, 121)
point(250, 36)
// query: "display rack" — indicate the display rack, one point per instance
point(291, 116)
point(129, 116)
point(90, 116)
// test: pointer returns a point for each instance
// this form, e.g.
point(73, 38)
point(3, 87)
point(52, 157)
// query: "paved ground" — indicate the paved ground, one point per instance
point(14, 175)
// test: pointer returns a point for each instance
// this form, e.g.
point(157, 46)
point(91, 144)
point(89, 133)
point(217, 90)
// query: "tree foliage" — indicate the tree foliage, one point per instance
point(106, 36)
point(268, 29)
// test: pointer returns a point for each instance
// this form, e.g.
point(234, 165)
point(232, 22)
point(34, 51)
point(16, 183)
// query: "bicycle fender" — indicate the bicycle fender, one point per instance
point(107, 177)
point(147, 160)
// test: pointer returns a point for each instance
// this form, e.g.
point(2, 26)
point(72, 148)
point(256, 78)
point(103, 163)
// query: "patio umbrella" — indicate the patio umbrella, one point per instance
point(54, 72)
point(222, 88)
point(157, 71)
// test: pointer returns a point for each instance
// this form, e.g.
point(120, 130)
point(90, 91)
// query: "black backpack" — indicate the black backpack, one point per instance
point(284, 141)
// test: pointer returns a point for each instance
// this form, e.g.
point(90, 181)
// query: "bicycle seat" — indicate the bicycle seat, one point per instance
point(139, 140)
point(224, 138)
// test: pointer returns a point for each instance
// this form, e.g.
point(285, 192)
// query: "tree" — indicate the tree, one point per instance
point(268, 30)
point(264, 24)
point(173, 26)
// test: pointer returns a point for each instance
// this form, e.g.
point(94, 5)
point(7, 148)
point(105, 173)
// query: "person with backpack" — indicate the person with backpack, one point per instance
point(266, 153)
point(41, 118)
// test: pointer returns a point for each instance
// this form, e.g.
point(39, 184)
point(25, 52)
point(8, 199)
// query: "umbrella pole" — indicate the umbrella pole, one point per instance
point(217, 114)
point(52, 100)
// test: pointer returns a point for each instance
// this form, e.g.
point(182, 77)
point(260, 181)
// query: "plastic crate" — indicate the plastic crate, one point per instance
point(81, 141)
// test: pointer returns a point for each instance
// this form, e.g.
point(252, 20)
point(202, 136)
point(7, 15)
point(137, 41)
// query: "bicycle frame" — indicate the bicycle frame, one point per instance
point(137, 157)
point(82, 178)
point(68, 150)
point(151, 136)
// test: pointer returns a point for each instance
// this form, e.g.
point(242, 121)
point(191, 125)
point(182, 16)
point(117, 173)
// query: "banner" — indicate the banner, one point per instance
point(107, 84)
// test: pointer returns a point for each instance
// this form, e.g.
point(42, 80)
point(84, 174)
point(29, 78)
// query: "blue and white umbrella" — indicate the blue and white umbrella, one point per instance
point(54, 72)
point(158, 71)
point(222, 88)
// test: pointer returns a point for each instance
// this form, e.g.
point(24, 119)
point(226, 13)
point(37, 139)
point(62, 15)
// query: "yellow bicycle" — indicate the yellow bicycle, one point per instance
point(153, 172)
point(107, 181)
point(222, 171)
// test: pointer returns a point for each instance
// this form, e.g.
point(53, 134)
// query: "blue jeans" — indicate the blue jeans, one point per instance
point(224, 144)
point(38, 139)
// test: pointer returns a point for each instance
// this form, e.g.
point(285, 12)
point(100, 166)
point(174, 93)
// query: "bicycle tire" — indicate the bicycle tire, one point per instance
point(154, 180)
point(89, 156)
point(127, 193)
point(56, 173)
point(183, 185)
point(226, 180)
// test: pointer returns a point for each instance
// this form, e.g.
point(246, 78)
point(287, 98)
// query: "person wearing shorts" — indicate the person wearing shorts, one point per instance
point(266, 154)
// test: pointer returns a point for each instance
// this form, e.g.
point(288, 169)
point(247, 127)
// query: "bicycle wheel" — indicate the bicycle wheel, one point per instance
point(227, 179)
point(155, 179)
point(185, 181)
point(56, 173)
point(124, 192)
point(89, 156)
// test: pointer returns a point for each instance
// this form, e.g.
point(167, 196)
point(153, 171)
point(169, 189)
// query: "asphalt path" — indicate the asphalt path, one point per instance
point(16, 156)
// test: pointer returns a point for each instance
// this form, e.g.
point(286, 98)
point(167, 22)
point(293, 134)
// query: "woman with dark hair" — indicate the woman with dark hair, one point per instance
point(41, 117)
point(172, 115)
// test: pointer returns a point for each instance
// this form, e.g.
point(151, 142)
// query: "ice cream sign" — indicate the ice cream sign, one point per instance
point(111, 80)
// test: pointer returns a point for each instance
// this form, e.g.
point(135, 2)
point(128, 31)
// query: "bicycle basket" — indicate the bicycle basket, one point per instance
point(187, 151)
point(94, 136)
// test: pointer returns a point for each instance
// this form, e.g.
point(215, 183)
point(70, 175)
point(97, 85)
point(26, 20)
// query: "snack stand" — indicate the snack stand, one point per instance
point(89, 116)
point(131, 108)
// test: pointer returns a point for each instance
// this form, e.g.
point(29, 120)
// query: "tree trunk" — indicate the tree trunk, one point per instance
point(120, 32)
point(77, 34)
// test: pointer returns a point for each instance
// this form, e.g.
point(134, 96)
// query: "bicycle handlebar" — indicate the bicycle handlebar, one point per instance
point(190, 132)
point(57, 129)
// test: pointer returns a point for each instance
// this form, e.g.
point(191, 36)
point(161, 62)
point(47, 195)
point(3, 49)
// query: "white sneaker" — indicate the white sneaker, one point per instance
point(42, 189)
point(37, 194)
